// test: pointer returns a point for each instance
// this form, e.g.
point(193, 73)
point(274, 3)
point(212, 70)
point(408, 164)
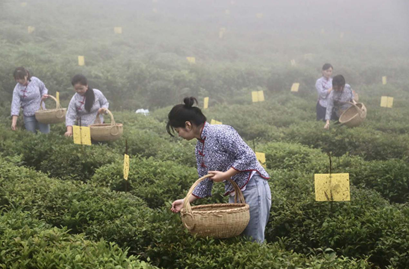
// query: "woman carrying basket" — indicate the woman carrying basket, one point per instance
point(85, 105)
point(221, 151)
point(339, 99)
point(28, 94)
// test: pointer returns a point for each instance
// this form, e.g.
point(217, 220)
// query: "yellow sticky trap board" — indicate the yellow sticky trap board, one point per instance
point(386, 101)
point(82, 135)
point(118, 30)
point(260, 95)
point(30, 29)
point(57, 96)
point(332, 187)
point(261, 157)
point(206, 103)
point(221, 32)
point(24, 4)
point(293, 62)
point(259, 15)
point(341, 35)
point(191, 60)
point(126, 166)
point(295, 87)
point(384, 80)
point(81, 60)
point(215, 122)
point(227, 12)
point(254, 96)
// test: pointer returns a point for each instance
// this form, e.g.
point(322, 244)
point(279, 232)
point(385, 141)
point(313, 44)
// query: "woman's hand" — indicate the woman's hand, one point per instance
point(45, 96)
point(68, 133)
point(327, 125)
point(177, 205)
point(102, 110)
point(14, 123)
point(218, 176)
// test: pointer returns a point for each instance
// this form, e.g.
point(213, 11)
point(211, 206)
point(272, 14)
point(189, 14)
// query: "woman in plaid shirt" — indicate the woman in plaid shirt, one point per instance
point(221, 151)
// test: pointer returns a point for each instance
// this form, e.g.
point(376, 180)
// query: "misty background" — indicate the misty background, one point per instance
point(146, 65)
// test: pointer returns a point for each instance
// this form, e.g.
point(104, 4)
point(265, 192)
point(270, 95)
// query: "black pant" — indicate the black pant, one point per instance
point(321, 111)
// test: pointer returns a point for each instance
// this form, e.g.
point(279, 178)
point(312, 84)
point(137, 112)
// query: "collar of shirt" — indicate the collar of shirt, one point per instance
point(203, 132)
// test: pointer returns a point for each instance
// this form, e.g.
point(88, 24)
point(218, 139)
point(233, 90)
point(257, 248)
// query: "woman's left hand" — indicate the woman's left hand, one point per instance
point(45, 96)
point(218, 176)
point(102, 110)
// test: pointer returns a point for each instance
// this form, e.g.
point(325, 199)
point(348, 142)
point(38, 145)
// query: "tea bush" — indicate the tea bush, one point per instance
point(31, 243)
point(155, 182)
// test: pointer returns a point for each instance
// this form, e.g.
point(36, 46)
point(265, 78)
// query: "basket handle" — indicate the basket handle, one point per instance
point(362, 109)
point(186, 203)
point(97, 121)
point(57, 103)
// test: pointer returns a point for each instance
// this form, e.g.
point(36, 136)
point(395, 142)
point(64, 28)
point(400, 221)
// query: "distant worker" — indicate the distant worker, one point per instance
point(28, 94)
point(85, 105)
point(324, 88)
point(338, 100)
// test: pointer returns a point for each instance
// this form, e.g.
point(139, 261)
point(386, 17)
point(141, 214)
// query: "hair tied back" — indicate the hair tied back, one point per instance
point(189, 101)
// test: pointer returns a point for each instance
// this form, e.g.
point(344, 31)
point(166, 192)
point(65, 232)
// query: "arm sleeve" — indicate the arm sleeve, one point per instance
point(351, 97)
point(43, 89)
point(330, 106)
point(103, 102)
point(71, 115)
point(322, 92)
point(235, 146)
point(15, 103)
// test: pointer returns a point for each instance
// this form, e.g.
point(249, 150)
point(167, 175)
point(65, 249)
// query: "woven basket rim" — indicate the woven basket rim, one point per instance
point(341, 118)
point(101, 125)
point(231, 208)
point(50, 110)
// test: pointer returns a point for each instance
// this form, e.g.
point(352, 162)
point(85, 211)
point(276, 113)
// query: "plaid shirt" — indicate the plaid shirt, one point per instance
point(28, 97)
point(76, 108)
point(339, 101)
point(323, 85)
point(219, 149)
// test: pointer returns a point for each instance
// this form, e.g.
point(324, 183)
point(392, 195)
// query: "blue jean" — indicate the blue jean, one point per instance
point(258, 196)
point(32, 125)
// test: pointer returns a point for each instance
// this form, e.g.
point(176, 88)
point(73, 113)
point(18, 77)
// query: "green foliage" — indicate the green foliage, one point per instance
point(156, 182)
point(30, 243)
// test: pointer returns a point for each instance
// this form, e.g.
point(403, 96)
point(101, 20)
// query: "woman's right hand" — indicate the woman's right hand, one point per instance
point(326, 125)
point(13, 127)
point(68, 133)
point(177, 205)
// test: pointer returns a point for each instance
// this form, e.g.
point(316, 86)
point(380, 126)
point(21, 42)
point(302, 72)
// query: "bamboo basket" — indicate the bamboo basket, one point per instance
point(354, 115)
point(106, 131)
point(216, 220)
point(51, 116)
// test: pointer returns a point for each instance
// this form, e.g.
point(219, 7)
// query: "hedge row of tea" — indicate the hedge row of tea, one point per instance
point(162, 169)
point(49, 223)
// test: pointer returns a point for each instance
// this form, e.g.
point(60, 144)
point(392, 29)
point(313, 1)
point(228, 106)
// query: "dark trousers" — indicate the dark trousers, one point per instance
point(321, 111)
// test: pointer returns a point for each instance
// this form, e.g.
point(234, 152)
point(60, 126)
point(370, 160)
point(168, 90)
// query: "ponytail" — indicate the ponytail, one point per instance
point(89, 94)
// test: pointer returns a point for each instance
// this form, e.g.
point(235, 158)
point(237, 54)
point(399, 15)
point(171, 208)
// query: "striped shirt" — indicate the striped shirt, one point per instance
point(339, 101)
point(76, 109)
point(28, 97)
point(323, 85)
point(219, 149)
